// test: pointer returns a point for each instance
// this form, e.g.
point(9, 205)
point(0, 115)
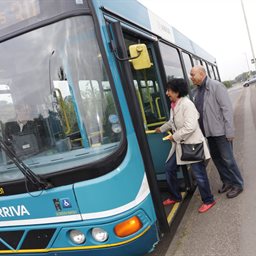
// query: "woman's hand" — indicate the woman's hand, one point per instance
point(168, 137)
point(157, 130)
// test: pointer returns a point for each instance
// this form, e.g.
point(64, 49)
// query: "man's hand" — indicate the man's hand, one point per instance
point(230, 139)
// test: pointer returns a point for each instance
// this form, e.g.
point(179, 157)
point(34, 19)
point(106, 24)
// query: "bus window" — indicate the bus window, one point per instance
point(205, 67)
point(216, 73)
point(196, 61)
point(66, 87)
point(171, 62)
point(188, 65)
point(211, 71)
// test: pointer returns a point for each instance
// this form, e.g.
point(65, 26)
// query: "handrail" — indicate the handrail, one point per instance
point(141, 108)
point(158, 108)
point(150, 131)
point(155, 124)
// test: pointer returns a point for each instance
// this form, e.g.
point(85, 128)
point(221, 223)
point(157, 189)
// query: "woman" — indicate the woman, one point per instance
point(185, 128)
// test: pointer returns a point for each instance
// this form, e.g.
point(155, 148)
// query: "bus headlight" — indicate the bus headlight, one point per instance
point(99, 234)
point(77, 236)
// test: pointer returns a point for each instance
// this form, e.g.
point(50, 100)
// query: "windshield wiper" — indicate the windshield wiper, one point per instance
point(34, 179)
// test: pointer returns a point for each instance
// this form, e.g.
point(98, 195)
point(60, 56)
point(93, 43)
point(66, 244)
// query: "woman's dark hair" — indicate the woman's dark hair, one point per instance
point(178, 85)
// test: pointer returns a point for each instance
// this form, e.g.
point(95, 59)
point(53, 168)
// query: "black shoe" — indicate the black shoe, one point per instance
point(225, 188)
point(235, 191)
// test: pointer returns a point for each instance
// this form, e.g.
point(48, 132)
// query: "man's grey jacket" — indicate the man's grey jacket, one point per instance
point(217, 109)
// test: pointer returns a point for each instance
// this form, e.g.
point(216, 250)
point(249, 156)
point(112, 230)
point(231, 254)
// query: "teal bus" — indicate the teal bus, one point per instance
point(82, 89)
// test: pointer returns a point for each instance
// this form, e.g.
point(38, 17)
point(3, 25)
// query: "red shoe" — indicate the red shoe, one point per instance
point(205, 207)
point(169, 201)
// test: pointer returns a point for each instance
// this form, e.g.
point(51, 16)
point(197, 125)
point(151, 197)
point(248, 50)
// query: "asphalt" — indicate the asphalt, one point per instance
point(229, 228)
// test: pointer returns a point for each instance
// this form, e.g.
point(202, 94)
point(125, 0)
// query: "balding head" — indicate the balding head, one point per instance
point(199, 68)
point(197, 75)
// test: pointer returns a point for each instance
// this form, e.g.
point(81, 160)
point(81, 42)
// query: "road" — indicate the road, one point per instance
point(229, 228)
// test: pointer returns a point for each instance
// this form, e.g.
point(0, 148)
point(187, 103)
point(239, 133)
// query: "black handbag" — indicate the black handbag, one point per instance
point(192, 152)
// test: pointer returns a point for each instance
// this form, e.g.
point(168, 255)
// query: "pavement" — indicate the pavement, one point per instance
point(229, 228)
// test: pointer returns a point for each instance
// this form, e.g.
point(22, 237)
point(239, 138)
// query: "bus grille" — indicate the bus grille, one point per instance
point(33, 239)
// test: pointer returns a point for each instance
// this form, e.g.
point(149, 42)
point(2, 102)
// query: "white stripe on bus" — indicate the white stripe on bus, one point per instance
point(142, 194)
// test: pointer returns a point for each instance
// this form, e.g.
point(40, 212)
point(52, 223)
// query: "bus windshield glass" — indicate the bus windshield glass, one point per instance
point(57, 107)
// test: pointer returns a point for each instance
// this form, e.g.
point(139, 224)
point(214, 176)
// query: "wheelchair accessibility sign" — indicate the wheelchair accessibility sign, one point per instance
point(65, 202)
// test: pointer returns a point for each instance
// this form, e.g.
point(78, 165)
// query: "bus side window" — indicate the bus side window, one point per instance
point(188, 66)
point(206, 68)
point(171, 60)
point(216, 73)
point(211, 72)
point(196, 61)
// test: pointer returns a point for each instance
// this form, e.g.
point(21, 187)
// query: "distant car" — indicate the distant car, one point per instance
point(249, 81)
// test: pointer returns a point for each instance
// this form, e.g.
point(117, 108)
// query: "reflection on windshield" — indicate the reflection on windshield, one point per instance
point(57, 108)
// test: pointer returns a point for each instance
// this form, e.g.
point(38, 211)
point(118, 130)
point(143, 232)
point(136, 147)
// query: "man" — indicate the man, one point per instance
point(22, 135)
point(216, 122)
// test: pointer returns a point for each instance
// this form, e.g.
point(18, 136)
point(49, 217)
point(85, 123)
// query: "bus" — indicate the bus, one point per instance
point(82, 89)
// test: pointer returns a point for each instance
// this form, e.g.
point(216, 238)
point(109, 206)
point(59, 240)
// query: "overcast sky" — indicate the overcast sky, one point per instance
point(218, 26)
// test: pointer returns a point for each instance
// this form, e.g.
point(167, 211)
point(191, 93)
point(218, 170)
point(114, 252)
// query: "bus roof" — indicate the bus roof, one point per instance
point(137, 13)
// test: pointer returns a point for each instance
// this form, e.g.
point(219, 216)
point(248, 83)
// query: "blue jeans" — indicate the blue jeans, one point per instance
point(199, 173)
point(223, 158)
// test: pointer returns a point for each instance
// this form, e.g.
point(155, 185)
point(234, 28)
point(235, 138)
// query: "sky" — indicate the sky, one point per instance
point(218, 26)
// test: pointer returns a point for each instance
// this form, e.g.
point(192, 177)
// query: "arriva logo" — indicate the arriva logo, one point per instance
point(13, 211)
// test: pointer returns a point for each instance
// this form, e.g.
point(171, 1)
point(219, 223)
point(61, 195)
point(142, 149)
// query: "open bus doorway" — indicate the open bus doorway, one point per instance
point(154, 107)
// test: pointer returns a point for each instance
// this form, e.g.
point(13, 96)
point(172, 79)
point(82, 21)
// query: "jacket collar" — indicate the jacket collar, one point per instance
point(205, 83)
point(177, 107)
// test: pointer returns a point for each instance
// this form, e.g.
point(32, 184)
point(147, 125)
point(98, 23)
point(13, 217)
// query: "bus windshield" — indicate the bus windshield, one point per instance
point(57, 107)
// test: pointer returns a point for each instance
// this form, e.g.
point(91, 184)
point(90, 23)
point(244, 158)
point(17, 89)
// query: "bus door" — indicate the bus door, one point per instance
point(153, 105)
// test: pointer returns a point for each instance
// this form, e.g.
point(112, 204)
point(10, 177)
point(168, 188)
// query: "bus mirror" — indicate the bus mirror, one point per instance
point(139, 56)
